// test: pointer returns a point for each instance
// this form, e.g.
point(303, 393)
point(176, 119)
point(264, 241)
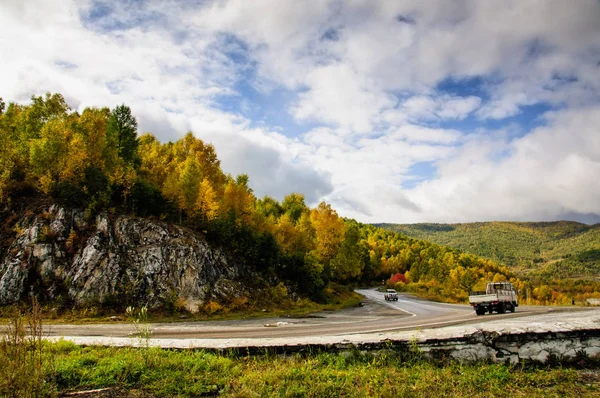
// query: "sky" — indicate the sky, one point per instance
point(391, 111)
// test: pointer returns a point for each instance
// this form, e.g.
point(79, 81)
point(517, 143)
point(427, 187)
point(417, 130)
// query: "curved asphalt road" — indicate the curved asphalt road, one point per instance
point(376, 315)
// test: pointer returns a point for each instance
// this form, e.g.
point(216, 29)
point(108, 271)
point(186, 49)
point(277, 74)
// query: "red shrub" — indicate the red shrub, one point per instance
point(397, 278)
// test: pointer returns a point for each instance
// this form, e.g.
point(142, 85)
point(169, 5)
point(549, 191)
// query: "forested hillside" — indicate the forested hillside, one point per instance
point(544, 249)
point(96, 161)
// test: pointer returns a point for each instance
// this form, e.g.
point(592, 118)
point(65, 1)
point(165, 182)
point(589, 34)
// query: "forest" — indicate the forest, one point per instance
point(558, 254)
point(96, 160)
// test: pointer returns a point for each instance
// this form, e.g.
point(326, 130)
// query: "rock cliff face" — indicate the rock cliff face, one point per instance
point(58, 255)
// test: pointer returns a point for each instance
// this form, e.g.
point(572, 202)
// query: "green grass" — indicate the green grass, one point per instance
point(168, 373)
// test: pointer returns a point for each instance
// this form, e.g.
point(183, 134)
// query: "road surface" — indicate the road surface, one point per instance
point(375, 316)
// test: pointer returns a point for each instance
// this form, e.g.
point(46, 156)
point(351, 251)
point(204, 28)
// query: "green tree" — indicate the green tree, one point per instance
point(121, 132)
point(49, 152)
point(6, 158)
point(293, 204)
point(269, 207)
point(349, 262)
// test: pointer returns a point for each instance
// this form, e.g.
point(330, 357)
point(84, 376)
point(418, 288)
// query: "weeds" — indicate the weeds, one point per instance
point(139, 318)
point(24, 369)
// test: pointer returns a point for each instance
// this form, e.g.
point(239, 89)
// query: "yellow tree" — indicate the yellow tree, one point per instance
point(307, 232)
point(76, 161)
point(205, 155)
point(49, 152)
point(206, 203)
point(156, 161)
point(92, 126)
point(189, 184)
point(329, 231)
point(238, 201)
point(287, 236)
point(464, 278)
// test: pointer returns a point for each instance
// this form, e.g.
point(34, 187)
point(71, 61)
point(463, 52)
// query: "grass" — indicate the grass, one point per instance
point(167, 373)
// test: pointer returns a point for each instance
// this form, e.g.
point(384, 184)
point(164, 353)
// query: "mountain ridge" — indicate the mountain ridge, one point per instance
point(526, 246)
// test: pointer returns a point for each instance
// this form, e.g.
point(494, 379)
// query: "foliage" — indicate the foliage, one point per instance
point(520, 245)
point(549, 255)
point(396, 279)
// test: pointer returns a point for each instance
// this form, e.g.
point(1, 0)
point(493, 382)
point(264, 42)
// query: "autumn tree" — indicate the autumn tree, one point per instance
point(464, 278)
point(293, 204)
point(156, 159)
point(6, 155)
point(205, 155)
point(287, 236)
point(329, 232)
point(24, 123)
point(92, 126)
point(48, 153)
point(190, 178)
point(269, 207)
point(207, 204)
point(238, 201)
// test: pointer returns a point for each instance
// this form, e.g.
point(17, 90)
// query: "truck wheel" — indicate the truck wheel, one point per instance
point(480, 311)
point(501, 308)
point(512, 307)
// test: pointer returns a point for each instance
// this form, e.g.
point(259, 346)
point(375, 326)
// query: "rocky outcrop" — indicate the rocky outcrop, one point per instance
point(58, 255)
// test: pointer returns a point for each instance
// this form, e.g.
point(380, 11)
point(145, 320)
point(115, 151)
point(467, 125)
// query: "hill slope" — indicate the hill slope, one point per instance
point(561, 248)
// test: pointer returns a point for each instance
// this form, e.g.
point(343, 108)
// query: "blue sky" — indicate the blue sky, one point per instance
point(392, 111)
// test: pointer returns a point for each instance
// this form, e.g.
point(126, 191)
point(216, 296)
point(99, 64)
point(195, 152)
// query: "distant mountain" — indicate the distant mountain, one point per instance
point(560, 248)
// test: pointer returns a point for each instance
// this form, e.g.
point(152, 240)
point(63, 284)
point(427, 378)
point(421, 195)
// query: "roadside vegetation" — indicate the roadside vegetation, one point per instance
point(153, 372)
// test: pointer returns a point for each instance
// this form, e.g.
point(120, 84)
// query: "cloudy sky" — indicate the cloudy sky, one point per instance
point(392, 111)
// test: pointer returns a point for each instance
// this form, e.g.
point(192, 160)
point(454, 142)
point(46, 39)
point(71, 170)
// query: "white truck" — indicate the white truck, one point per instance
point(498, 296)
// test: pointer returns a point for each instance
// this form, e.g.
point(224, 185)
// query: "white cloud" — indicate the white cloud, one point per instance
point(540, 176)
point(440, 107)
point(362, 77)
point(339, 96)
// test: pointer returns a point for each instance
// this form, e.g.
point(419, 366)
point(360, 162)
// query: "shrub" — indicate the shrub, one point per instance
point(395, 279)
point(212, 307)
point(68, 193)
